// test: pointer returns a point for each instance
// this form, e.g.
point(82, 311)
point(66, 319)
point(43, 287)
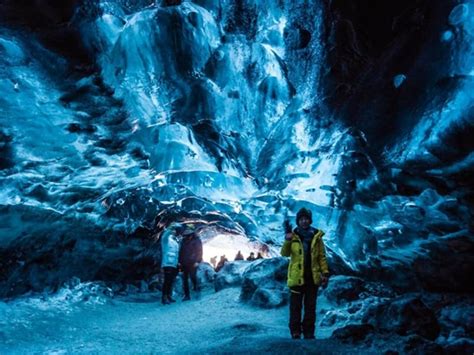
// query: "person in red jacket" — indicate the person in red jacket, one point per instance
point(190, 255)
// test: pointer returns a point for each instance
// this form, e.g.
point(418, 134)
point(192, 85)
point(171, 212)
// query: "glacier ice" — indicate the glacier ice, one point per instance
point(220, 113)
point(120, 117)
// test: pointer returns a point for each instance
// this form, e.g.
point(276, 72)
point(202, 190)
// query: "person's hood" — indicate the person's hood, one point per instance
point(188, 229)
point(177, 227)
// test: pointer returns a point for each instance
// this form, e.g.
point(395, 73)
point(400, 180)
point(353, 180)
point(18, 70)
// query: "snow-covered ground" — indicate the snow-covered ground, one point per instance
point(213, 323)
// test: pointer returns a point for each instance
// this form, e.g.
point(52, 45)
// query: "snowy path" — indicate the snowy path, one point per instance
point(216, 323)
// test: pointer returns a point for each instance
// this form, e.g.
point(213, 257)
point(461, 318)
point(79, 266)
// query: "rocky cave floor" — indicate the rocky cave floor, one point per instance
point(242, 309)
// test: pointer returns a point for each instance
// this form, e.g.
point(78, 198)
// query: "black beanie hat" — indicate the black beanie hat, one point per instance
point(304, 212)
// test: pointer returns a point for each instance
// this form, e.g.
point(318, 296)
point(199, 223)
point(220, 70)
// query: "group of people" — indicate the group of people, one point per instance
point(223, 260)
point(251, 257)
point(307, 270)
point(184, 254)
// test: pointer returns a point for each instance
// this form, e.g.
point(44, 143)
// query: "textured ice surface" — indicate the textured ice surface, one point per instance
point(233, 115)
point(213, 112)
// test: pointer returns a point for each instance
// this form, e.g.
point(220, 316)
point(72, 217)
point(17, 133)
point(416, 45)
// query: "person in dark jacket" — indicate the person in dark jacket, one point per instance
point(190, 255)
point(223, 260)
point(239, 256)
point(308, 269)
point(251, 256)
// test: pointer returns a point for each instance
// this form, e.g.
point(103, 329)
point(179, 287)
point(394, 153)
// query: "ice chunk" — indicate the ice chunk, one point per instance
point(447, 36)
point(398, 80)
point(458, 14)
point(11, 52)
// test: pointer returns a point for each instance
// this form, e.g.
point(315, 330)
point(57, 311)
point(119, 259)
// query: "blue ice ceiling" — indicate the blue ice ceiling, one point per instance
point(119, 116)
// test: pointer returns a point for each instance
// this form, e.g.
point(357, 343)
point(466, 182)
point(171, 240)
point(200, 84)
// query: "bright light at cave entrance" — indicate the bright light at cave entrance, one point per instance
point(228, 245)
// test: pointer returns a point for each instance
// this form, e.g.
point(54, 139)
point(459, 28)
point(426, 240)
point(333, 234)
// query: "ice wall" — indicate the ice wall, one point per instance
point(118, 116)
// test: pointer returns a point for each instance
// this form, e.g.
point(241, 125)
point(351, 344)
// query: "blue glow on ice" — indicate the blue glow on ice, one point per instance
point(398, 80)
point(447, 36)
point(458, 14)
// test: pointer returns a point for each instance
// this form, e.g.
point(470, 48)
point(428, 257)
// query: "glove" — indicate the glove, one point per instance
point(325, 280)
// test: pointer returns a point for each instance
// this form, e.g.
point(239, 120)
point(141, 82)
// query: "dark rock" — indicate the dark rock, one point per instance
point(230, 275)
point(457, 333)
point(243, 19)
point(415, 344)
point(411, 216)
point(6, 150)
point(436, 265)
point(139, 153)
point(37, 13)
point(444, 226)
point(337, 265)
point(269, 298)
point(460, 346)
point(206, 275)
point(38, 191)
point(429, 197)
point(353, 332)
point(79, 128)
point(50, 248)
point(449, 205)
point(409, 184)
point(403, 315)
point(143, 286)
point(172, 2)
point(344, 288)
point(458, 316)
point(354, 308)
point(378, 289)
point(296, 38)
point(331, 317)
point(264, 283)
point(447, 264)
point(130, 289)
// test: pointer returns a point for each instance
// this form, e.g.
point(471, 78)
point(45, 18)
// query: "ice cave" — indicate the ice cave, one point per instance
point(127, 126)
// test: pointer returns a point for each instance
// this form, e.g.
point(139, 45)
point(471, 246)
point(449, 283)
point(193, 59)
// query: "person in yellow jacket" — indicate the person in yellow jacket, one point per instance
point(308, 269)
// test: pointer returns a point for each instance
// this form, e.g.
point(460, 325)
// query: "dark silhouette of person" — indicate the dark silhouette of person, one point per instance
point(239, 256)
point(221, 263)
point(308, 269)
point(169, 260)
point(190, 255)
point(251, 256)
point(259, 255)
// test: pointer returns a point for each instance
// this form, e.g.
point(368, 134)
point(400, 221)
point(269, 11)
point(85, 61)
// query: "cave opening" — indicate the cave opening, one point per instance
point(218, 242)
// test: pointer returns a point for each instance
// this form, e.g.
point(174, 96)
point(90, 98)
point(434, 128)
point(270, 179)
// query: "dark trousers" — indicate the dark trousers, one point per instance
point(189, 272)
point(303, 295)
point(170, 274)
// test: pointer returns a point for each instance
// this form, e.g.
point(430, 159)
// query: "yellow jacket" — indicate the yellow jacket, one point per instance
point(294, 249)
